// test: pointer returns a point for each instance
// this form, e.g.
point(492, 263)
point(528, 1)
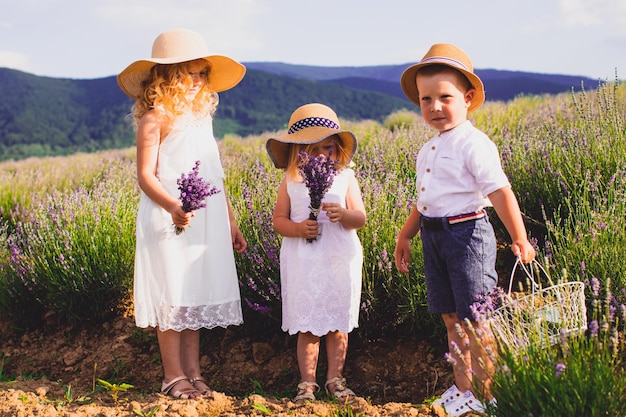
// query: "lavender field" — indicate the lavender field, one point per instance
point(67, 228)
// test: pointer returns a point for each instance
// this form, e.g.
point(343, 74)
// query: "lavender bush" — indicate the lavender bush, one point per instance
point(67, 237)
point(71, 253)
point(385, 168)
point(574, 204)
point(253, 185)
point(30, 180)
point(581, 375)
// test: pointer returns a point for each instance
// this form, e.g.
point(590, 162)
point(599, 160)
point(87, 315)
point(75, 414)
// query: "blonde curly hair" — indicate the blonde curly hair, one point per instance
point(165, 90)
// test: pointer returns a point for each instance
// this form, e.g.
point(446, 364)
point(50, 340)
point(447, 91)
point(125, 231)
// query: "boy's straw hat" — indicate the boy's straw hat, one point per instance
point(309, 124)
point(176, 46)
point(451, 56)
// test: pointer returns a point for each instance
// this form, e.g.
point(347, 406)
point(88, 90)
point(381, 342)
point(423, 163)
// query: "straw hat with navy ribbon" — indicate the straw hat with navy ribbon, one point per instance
point(451, 56)
point(176, 46)
point(309, 124)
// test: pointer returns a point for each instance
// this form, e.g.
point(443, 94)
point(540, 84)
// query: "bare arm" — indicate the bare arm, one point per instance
point(507, 207)
point(282, 220)
point(353, 215)
point(409, 230)
point(148, 141)
point(239, 242)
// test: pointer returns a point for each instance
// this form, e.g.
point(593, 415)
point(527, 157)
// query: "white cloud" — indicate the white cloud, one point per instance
point(611, 14)
point(580, 12)
point(225, 25)
point(82, 38)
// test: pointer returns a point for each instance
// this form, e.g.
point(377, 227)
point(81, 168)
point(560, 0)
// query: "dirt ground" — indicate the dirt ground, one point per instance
point(54, 371)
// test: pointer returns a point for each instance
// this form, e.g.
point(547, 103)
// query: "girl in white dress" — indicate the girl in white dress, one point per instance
point(186, 281)
point(320, 279)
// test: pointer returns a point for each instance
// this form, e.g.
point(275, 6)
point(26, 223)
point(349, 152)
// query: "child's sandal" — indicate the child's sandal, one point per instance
point(341, 392)
point(304, 394)
point(203, 388)
point(190, 392)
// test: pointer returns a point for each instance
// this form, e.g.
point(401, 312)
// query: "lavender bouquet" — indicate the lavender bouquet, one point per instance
point(318, 173)
point(194, 190)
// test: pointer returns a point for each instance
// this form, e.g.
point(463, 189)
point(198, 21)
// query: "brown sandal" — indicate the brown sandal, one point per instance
point(188, 393)
point(304, 394)
point(340, 391)
point(204, 389)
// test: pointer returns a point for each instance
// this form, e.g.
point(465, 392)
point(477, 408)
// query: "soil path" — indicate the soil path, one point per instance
point(58, 368)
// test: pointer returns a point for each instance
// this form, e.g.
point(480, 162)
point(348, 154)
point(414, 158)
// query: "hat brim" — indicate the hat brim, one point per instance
point(409, 84)
point(278, 147)
point(225, 73)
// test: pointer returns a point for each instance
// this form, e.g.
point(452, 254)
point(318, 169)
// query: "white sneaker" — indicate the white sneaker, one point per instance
point(467, 403)
point(451, 395)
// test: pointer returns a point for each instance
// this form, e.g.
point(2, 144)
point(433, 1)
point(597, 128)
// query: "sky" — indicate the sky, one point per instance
point(88, 39)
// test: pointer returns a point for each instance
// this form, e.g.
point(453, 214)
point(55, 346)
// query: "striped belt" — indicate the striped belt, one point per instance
point(437, 223)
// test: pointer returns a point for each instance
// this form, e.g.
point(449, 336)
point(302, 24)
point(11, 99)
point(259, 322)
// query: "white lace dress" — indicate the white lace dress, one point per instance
point(186, 281)
point(321, 281)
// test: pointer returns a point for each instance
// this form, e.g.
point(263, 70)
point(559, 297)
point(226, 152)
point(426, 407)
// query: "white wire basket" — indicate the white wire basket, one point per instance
point(544, 315)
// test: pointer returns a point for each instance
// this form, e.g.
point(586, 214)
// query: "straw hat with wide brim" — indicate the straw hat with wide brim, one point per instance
point(176, 46)
point(451, 56)
point(309, 124)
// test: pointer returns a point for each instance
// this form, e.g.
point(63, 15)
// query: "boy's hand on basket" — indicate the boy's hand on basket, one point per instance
point(524, 250)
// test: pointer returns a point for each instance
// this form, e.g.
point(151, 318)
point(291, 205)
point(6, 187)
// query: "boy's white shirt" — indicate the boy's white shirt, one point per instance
point(456, 170)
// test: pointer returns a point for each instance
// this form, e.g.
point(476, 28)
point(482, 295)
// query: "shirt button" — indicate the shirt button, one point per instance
point(433, 148)
point(423, 188)
point(427, 169)
point(424, 208)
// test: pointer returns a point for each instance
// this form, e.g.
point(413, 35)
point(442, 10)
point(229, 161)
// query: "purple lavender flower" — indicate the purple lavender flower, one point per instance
point(318, 173)
point(194, 190)
point(450, 358)
point(560, 368)
point(595, 286)
point(487, 303)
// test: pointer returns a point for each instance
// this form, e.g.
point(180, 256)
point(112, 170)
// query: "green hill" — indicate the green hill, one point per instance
point(41, 116)
point(500, 85)
point(45, 116)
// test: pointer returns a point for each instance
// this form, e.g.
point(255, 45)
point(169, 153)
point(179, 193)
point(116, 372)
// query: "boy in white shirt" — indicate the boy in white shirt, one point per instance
point(458, 174)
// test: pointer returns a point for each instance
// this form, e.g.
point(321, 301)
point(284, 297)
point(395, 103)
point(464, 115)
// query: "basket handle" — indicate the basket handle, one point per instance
point(529, 273)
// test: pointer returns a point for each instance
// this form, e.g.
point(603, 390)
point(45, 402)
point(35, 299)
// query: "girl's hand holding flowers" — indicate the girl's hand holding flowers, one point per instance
point(194, 190)
point(318, 173)
point(308, 229)
point(181, 218)
point(334, 211)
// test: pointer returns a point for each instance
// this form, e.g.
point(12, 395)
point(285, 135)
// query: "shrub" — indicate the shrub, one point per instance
point(68, 226)
point(72, 255)
point(581, 375)
point(402, 119)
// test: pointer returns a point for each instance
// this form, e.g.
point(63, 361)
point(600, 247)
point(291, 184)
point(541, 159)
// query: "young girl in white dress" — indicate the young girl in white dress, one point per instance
point(186, 281)
point(320, 279)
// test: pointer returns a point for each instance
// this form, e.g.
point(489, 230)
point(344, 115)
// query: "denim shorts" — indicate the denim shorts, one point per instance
point(459, 264)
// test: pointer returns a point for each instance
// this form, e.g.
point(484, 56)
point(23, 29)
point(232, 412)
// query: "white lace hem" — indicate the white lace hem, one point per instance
point(193, 318)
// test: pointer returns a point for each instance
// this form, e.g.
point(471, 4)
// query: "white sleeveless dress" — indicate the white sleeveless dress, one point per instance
point(186, 281)
point(321, 281)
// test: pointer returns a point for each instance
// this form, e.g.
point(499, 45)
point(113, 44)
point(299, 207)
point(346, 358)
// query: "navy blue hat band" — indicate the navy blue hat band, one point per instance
point(312, 122)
